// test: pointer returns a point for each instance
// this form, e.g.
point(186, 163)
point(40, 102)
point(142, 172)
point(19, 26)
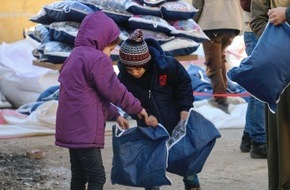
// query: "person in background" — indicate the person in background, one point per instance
point(88, 87)
point(221, 20)
point(160, 82)
point(254, 136)
point(277, 125)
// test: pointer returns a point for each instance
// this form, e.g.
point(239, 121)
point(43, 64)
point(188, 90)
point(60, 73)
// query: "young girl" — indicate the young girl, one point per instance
point(160, 82)
point(88, 87)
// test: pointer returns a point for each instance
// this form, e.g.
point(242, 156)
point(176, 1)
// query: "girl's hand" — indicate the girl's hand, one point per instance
point(122, 122)
point(143, 114)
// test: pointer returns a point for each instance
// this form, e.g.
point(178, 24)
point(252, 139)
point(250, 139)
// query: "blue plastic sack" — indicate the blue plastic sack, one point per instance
point(190, 144)
point(265, 73)
point(67, 11)
point(140, 157)
point(202, 87)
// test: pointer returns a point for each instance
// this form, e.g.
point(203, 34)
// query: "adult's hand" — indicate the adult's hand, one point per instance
point(277, 15)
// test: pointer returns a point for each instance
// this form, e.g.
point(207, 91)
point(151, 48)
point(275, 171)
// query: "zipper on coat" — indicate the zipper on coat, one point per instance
point(154, 106)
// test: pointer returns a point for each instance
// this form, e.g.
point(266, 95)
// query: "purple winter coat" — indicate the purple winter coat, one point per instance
point(88, 85)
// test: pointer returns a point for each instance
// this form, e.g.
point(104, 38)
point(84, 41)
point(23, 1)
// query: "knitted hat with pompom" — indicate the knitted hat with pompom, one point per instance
point(134, 51)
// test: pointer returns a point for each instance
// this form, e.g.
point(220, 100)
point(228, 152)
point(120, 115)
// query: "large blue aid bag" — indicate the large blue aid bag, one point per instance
point(266, 72)
point(140, 156)
point(190, 144)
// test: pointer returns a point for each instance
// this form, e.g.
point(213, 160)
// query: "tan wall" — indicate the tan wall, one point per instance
point(15, 15)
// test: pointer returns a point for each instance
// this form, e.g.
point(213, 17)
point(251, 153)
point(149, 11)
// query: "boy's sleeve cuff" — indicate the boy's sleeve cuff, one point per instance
point(288, 15)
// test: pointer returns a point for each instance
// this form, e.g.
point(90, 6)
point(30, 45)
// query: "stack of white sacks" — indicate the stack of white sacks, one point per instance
point(20, 81)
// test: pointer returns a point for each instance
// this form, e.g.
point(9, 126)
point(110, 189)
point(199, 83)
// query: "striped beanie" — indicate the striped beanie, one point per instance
point(134, 51)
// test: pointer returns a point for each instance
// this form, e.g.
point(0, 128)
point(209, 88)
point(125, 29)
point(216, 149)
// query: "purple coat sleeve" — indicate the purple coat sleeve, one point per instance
point(109, 87)
point(113, 113)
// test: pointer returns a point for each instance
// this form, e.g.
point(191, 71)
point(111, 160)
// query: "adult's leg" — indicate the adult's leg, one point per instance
point(278, 144)
point(216, 65)
point(283, 114)
point(250, 42)
point(227, 39)
point(213, 62)
point(255, 115)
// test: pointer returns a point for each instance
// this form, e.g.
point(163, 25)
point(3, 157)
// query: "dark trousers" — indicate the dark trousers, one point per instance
point(278, 144)
point(87, 168)
point(215, 61)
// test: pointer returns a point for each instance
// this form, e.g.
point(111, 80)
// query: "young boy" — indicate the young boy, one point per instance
point(88, 86)
point(160, 82)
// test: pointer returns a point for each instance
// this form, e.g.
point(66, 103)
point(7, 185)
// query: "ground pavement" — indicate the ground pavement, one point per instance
point(226, 168)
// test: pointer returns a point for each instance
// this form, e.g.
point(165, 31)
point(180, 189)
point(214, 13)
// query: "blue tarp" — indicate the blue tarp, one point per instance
point(201, 83)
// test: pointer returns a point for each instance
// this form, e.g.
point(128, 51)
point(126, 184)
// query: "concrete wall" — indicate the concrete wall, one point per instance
point(15, 15)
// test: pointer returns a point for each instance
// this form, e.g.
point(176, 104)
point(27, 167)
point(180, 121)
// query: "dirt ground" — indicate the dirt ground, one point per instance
point(226, 168)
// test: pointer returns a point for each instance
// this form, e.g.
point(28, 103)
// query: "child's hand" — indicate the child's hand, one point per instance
point(183, 115)
point(152, 121)
point(143, 114)
point(122, 122)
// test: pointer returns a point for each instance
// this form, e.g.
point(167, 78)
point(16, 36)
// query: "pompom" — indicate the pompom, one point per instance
point(137, 35)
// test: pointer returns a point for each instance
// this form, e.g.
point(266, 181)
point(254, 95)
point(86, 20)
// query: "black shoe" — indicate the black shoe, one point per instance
point(258, 150)
point(246, 143)
point(224, 106)
point(191, 182)
point(193, 188)
point(153, 188)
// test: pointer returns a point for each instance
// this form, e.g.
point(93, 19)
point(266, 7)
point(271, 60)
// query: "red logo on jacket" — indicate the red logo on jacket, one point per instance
point(162, 80)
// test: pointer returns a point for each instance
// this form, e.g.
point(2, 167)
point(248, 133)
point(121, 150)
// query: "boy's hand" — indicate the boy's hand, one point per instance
point(152, 121)
point(122, 122)
point(183, 115)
